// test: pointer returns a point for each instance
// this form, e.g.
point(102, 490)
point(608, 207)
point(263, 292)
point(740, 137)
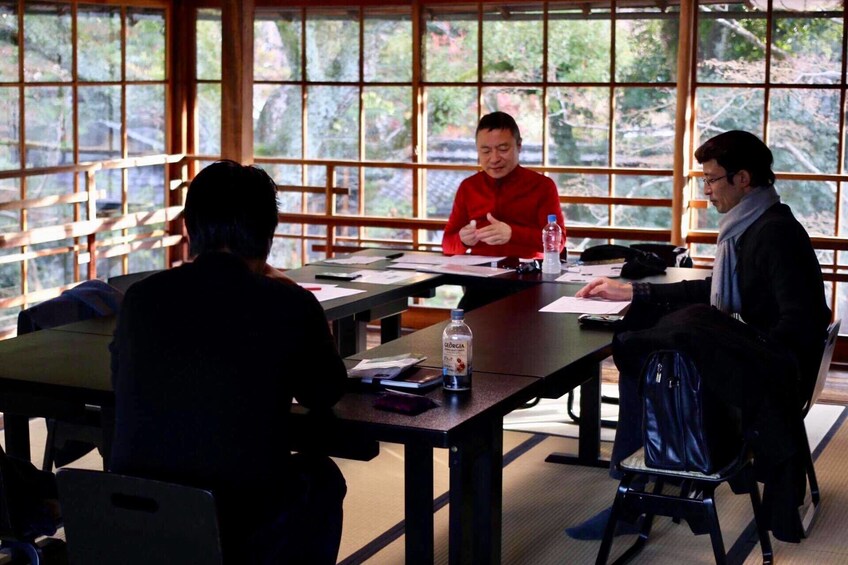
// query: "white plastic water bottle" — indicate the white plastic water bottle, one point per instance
point(456, 353)
point(551, 243)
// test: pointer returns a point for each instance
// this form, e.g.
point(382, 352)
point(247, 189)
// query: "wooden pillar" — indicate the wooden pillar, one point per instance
point(682, 164)
point(182, 64)
point(237, 80)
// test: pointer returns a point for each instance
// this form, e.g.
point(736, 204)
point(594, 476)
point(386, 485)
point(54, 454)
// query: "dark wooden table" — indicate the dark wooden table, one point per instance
point(46, 373)
point(519, 354)
point(512, 337)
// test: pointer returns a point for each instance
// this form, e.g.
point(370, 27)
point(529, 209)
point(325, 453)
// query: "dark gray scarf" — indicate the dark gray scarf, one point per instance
point(724, 293)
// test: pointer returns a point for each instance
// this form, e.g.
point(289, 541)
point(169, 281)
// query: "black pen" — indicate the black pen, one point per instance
point(394, 255)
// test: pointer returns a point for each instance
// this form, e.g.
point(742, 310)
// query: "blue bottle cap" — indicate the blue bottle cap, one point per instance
point(457, 314)
point(551, 218)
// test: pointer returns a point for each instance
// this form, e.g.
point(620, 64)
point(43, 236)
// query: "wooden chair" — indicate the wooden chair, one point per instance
point(695, 503)
point(699, 510)
point(815, 495)
point(112, 518)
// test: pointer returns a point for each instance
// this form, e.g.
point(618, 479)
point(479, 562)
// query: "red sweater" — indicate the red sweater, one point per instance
point(523, 199)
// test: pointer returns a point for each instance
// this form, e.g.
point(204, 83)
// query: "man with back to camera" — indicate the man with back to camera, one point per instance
point(501, 210)
point(766, 273)
point(206, 358)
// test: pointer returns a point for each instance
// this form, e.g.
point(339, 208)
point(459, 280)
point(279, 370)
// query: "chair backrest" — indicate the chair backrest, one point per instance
point(827, 356)
point(112, 518)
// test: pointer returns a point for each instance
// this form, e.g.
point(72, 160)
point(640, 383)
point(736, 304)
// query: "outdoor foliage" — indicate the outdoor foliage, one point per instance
point(44, 44)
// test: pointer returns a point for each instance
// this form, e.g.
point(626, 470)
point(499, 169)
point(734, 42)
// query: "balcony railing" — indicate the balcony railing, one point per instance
point(122, 231)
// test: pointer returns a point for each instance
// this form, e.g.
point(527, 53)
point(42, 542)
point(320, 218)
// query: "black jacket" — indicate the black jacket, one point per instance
point(205, 361)
point(781, 286)
point(767, 367)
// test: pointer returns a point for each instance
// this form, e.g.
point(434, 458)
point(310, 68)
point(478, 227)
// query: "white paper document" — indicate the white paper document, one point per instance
point(329, 291)
point(354, 260)
point(469, 270)
point(383, 277)
point(384, 367)
point(408, 266)
point(586, 273)
point(574, 305)
point(447, 260)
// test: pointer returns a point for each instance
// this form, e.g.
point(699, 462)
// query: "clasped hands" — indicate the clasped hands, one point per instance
point(496, 233)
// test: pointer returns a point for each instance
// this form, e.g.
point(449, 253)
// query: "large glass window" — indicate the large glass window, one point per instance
point(382, 109)
point(342, 101)
point(83, 86)
point(793, 103)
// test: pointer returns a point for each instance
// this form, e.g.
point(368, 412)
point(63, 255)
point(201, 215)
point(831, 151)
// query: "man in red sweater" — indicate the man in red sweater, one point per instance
point(502, 209)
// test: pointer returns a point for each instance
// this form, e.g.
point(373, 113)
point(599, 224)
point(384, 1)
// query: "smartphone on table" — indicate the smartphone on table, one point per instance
point(604, 321)
point(337, 276)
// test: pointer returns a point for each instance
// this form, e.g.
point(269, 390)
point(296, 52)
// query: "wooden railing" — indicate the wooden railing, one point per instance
point(89, 242)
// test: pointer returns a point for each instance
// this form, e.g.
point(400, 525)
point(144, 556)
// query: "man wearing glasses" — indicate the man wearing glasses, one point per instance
point(765, 273)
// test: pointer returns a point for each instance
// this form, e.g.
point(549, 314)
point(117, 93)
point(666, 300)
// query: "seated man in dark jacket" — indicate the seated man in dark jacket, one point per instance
point(206, 359)
point(765, 273)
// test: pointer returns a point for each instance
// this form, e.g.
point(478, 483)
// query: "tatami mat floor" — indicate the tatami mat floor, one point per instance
point(541, 499)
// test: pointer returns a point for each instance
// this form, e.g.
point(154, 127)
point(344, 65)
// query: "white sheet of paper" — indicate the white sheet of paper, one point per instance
point(448, 260)
point(586, 273)
point(574, 305)
point(407, 266)
point(470, 270)
point(329, 291)
point(354, 260)
point(383, 277)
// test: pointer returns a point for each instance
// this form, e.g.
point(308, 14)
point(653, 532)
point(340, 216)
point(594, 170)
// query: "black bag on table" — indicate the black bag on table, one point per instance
point(684, 427)
point(637, 263)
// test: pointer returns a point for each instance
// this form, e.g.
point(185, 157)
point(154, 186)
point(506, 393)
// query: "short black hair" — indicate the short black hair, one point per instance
point(231, 207)
point(499, 120)
point(736, 150)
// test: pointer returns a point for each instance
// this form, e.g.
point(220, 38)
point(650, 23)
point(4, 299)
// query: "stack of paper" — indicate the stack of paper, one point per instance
point(379, 368)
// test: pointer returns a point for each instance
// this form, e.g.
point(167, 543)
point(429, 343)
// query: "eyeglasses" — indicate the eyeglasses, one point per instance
point(709, 182)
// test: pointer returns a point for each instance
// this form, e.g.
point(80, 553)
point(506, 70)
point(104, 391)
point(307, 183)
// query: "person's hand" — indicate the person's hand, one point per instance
point(276, 274)
point(606, 288)
point(496, 233)
point(468, 234)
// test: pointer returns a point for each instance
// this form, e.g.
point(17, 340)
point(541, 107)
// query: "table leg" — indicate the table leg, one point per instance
point(589, 448)
point(476, 496)
point(390, 328)
point(350, 336)
point(107, 422)
point(16, 430)
point(418, 503)
point(589, 444)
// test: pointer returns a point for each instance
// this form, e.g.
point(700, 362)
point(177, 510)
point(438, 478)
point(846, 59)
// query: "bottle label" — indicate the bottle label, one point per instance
point(455, 357)
point(456, 369)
